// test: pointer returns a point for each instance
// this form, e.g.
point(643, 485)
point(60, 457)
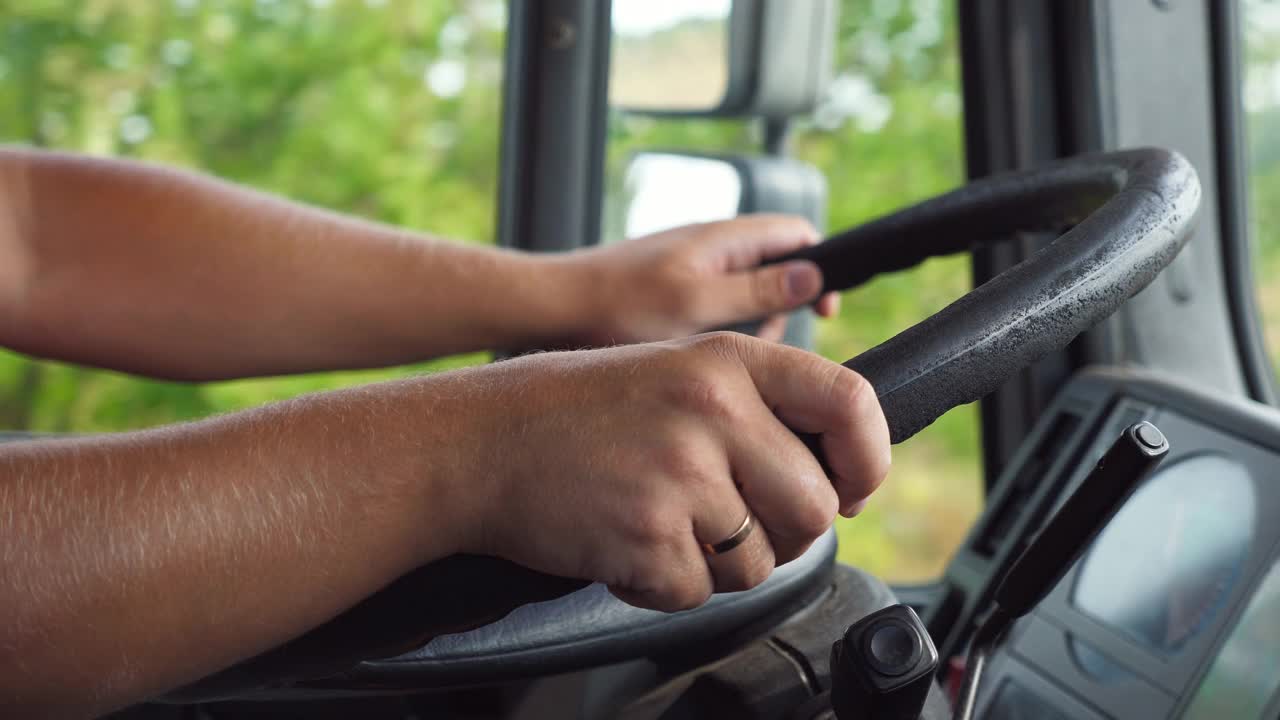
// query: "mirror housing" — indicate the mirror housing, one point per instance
point(773, 60)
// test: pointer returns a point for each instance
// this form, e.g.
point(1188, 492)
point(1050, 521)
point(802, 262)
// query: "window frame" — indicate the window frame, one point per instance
point(1226, 31)
point(554, 114)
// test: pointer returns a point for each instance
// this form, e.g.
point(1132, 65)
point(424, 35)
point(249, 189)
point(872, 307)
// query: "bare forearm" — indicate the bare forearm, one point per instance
point(136, 563)
point(165, 273)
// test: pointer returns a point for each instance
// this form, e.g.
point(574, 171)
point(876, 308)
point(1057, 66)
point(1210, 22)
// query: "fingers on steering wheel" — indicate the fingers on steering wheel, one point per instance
point(782, 481)
point(744, 566)
point(813, 395)
point(672, 578)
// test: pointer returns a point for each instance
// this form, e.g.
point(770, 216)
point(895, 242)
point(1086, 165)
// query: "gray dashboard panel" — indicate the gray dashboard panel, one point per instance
point(1044, 656)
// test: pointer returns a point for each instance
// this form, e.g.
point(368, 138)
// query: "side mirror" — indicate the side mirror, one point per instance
point(716, 58)
point(663, 190)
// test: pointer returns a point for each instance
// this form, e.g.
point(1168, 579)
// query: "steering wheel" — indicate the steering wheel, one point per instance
point(1128, 214)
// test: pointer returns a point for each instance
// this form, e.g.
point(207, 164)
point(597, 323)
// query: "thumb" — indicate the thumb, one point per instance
point(770, 290)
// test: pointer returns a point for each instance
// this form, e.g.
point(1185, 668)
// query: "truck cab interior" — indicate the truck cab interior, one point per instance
point(1052, 225)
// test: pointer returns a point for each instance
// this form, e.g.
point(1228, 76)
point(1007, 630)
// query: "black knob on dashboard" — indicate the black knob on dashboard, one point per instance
point(892, 646)
point(883, 666)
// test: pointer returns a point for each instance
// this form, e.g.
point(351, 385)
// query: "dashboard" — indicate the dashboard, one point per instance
point(1174, 611)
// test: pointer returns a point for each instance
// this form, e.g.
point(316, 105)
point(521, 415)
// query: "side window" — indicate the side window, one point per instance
point(889, 134)
point(1260, 23)
point(388, 109)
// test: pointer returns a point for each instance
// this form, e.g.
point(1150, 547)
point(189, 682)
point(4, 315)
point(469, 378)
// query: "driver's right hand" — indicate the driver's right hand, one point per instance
point(617, 465)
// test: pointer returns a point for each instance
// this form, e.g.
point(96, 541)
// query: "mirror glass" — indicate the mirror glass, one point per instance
point(664, 190)
point(669, 55)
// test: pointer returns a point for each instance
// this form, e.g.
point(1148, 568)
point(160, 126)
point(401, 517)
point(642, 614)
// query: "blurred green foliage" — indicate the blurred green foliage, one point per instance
point(390, 109)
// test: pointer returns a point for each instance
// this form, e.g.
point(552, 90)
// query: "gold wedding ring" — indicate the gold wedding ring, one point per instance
point(733, 540)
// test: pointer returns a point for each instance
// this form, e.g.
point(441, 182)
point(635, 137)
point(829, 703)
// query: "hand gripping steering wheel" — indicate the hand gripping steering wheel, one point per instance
point(1126, 215)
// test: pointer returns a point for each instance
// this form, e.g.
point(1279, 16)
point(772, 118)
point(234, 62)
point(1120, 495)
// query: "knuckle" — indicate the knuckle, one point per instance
point(725, 354)
point(687, 469)
point(816, 513)
point(651, 527)
point(677, 462)
point(847, 389)
point(704, 394)
point(721, 343)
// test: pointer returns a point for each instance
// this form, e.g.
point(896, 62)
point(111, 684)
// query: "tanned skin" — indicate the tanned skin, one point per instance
point(134, 563)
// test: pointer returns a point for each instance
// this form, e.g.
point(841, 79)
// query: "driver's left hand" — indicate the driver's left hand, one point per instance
point(700, 277)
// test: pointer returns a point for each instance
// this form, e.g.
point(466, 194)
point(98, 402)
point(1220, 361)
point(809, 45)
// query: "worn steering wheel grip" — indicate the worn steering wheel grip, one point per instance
point(1128, 213)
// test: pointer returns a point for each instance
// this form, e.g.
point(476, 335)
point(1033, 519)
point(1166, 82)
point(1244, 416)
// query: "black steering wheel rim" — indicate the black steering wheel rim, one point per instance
point(1128, 214)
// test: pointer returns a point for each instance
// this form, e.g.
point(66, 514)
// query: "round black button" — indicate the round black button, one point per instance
point(1149, 435)
point(892, 647)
